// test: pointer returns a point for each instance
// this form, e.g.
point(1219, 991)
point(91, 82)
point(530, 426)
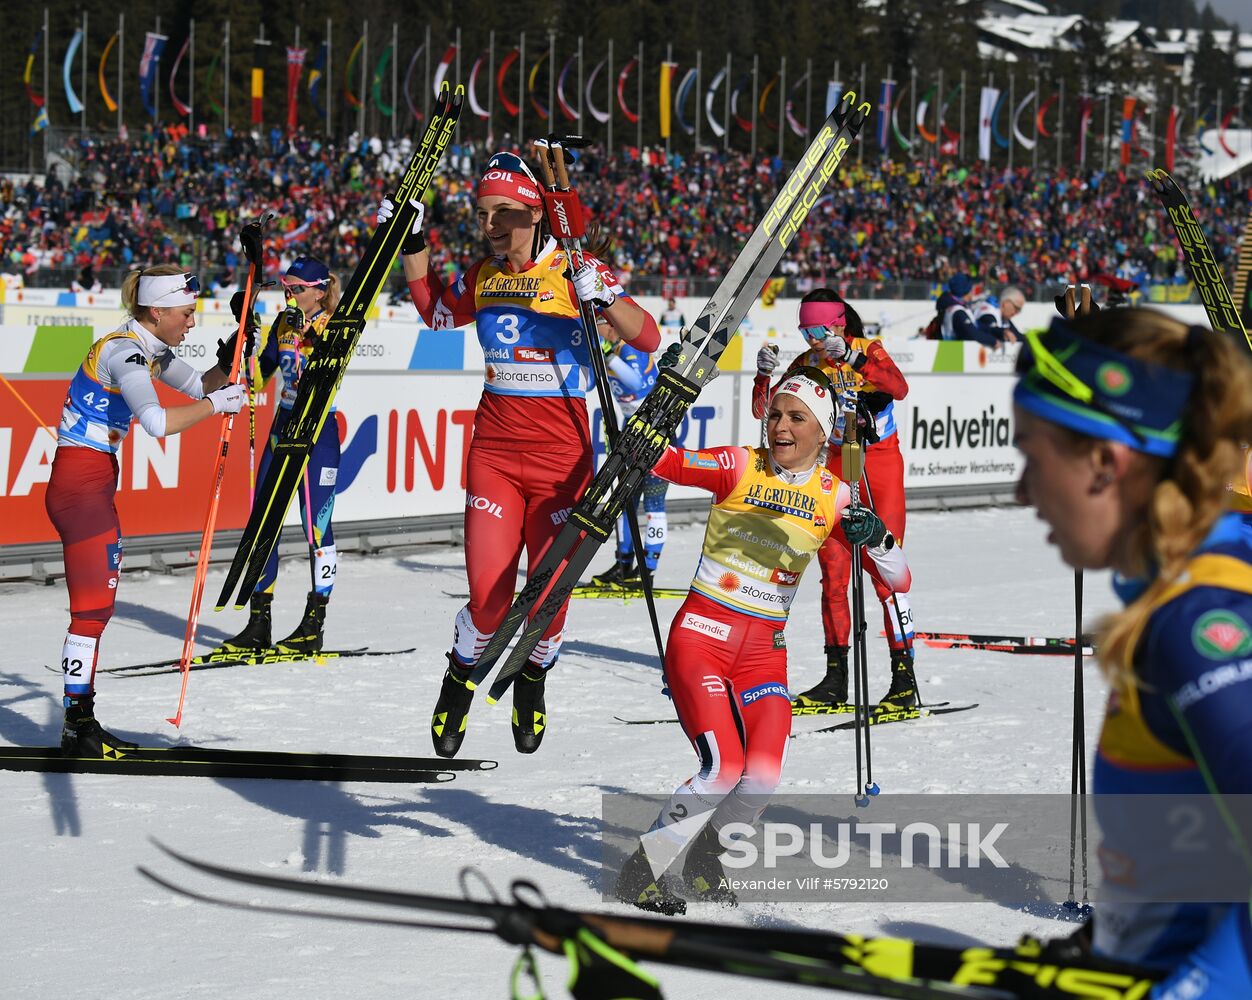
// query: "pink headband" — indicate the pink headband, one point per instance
point(506, 184)
point(822, 314)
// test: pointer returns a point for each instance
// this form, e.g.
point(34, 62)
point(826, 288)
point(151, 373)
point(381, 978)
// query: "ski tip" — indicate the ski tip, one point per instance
point(471, 686)
point(492, 701)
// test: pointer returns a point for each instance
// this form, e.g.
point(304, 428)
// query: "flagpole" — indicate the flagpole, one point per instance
point(395, 61)
point(582, 97)
point(960, 140)
point(83, 77)
point(669, 58)
point(1034, 153)
point(458, 58)
point(46, 96)
point(329, 79)
point(121, 52)
point(808, 97)
point(491, 83)
point(1060, 120)
point(699, 92)
point(860, 146)
point(609, 87)
point(726, 101)
point(782, 104)
point(226, 81)
point(426, 91)
point(521, 87)
point(191, 89)
point(756, 59)
point(912, 107)
point(639, 101)
point(552, 81)
point(939, 119)
point(365, 58)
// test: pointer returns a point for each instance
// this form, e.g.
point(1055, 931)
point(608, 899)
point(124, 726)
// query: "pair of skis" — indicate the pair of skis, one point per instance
point(214, 762)
point(241, 658)
point(648, 432)
point(329, 361)
point(605, 947)
point(1022, 645)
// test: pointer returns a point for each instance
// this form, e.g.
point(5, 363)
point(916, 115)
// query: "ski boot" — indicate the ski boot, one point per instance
point(833, 688)
point(307, 638)
point(447, 725)
point(530, 717)
point(902, 694)
point(623, 575)
point(256, 634)
point(703, 873)
point(637, 886)
point(83, 736)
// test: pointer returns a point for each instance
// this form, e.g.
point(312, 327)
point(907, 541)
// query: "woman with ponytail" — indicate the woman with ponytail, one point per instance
point(112, 387)
point(1131, 425)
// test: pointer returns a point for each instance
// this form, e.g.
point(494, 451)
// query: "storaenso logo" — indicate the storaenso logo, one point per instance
point(984, 430)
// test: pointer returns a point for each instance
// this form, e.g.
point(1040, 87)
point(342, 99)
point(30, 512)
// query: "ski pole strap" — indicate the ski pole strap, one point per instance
point(525, 967)
point(565, 214)
point(599, 971)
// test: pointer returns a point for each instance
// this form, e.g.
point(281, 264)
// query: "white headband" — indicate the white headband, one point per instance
point(165, 290)
point(816, 397)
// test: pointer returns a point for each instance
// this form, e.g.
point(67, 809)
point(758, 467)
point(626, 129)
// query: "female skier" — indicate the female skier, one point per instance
point(1131, 425)
point(312, 293)
point(726, 661)
point(530, 459)
point(112, 387)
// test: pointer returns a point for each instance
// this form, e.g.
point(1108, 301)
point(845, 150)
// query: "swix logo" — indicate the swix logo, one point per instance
point(786, 579)
point(558, 207)
point(482, 503)
point(534, 354)
point(561, 516)
point(713, 684)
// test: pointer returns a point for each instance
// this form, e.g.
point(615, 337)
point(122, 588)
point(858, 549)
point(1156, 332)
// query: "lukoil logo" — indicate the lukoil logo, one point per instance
point(482, 503)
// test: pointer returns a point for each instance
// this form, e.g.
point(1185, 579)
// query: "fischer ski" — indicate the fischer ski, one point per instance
point(214, 763)
point(1202, 266)
point(604, 947)
point(327, 365)
point(797, 712)
point(648, 432)
point(1032, 645)
point(595, 591)
point(881, 718)
point(214, 661)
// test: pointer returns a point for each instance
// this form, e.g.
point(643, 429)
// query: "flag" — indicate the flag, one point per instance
point(990, 99)
point(258, 95)
point(29, 75)
point(349, 96)
point(1043, 110)
point(1171, 136)
point(182, 109)
point(680, 100)
point(923, 106)
point(1086, 106)
point(667, 80)
point(376, 87)
point(531, 83)
point(596, 113)
point(569, 112)
point(445, 64)
point(76, 106)
point(885, 99)
point(622, 77)
point(295, 70)
point(506, 64)
point(153, 45)
point(1023, 139)
point(41, 121)
point(104, 58)
point(833, 93)
point(719, 128)
point(1128, 128)
point(315, 80)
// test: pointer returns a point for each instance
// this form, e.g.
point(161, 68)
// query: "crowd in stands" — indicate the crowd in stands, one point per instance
point(165, 196)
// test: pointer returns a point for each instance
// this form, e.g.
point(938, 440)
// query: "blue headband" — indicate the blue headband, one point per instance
point(1138, 403)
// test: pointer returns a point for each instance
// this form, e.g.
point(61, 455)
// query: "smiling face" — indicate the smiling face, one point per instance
point(170, 326)
point(508, 225)
point(795, 436)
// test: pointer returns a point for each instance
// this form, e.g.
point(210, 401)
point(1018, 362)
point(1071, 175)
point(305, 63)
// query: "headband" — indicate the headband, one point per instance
point(509, 184)
point(823, 314)
point(167, 290)
point(813, 395)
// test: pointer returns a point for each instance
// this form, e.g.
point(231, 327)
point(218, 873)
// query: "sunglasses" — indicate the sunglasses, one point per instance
point(1038, 358)
point(813, 333)
point(296, 283)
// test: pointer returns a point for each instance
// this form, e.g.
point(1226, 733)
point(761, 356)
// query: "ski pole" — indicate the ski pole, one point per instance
point(27, 407)
point(308, 501)
point(252, 373)
point(251, 289)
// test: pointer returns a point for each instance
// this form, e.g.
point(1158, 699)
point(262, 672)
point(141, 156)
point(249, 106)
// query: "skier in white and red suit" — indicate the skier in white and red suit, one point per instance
point(531, 456)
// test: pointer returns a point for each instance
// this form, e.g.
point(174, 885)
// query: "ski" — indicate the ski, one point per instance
point(881, 718)
point(596, 591)
point(1034, 645)
point(648, 432)
point(1202, 266)
point(331, 355)
point(211, 763)
point(224, 658)
point(797, 712)
point(877, 966)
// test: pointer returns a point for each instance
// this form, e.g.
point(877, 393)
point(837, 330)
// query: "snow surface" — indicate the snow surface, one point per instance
point(79, 920)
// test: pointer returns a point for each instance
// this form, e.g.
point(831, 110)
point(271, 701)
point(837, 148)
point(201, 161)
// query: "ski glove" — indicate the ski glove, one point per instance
point(415, 241)
point(226, 348)
point(861, 526)
point(670, 357)
point(766, 360)
point(227, 399)
point(590, 286)
point(837, 351)
point(252, 238)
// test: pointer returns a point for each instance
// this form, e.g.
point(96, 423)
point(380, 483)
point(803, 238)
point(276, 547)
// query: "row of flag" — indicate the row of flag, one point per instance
point(511, 82)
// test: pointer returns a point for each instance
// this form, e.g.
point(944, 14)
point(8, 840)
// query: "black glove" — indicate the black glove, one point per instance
point(252, 239)
point(861, 526)
point(226, 348)
point(670, 357)
point(295, 317)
